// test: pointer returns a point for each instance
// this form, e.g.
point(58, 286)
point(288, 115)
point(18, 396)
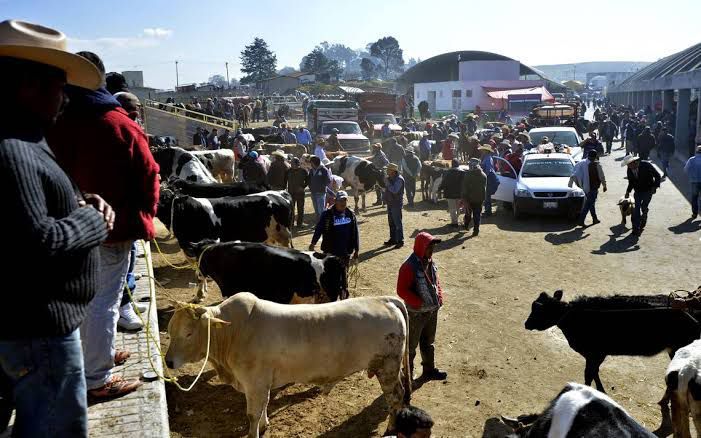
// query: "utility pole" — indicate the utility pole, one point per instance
point(177, 80)
point(228, 84)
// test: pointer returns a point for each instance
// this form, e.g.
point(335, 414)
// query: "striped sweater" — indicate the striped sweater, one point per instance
point(49, 260)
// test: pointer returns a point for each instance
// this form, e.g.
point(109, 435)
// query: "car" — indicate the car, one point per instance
point(349, 135)
point(541, 187)
point(559, 136)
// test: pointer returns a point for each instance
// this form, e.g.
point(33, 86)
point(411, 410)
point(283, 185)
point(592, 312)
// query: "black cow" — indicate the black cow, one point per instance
point(259, 217)
point(596, 327)
point(358, 173)
point(216, 190)
point(272, 138)
point(578, 411)
point(276, 274)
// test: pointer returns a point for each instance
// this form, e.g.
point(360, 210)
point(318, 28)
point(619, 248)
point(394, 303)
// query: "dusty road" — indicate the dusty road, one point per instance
point(495, 366)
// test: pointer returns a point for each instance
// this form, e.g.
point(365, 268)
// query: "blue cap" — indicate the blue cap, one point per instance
point(253, 154)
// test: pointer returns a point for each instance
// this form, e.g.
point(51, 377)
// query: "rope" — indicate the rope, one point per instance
point(163, 257)
point(353, 273)
point(150, 337)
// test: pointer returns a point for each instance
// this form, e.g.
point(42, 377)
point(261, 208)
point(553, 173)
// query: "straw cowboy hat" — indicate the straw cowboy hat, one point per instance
point(279, 153)
point(485, 148)
point(32, 42)
point(628, 159)
point(392, 166)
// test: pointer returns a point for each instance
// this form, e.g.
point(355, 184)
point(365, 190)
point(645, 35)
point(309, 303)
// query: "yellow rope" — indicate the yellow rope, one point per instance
point(353, 272)
point(163, 257)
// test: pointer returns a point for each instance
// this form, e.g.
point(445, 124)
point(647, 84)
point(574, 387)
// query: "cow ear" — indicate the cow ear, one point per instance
point(558, 295)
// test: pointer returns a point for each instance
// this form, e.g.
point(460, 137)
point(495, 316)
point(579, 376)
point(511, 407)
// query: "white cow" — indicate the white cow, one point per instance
point(258, 345)
point(684, 389)
point(219, 162)
point(358, 173)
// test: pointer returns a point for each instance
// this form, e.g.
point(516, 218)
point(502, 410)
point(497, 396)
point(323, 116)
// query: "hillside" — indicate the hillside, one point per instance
point(563, 72)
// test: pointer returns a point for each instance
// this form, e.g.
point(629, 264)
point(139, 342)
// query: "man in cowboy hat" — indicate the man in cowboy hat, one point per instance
point(473, 191)
point(297, 180)
point(304, 137)
point(419, 287)
point(130, 184)
point(50, 223)
point(380, 161)
point(394, 198)
point(411, 167)
point(645, 180)
point(487, 164)
point(277, 173)
point(332, 143)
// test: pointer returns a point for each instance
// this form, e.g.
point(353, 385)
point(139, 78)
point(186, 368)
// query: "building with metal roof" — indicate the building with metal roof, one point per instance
point(460, 82)
point(671, 83)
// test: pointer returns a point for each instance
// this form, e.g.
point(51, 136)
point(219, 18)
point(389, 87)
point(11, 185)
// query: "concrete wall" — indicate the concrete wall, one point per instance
point(489, 70)
point(163, 123)
point(135, 79)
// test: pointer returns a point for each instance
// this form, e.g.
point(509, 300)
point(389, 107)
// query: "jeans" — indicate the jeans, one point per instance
point(410, 188)
point(131, 278)
point(99, 328)
point(664, 160)
point(46, 376)
point(298, 202)
point(396, 229)
point(454, 210)
point(589, 205)
point(642, 202)
point(422, 333)
point(695, 197)
point(609, 144)
point(378, 193)
point(319, 203)
point(473, 211)
point(488, 205)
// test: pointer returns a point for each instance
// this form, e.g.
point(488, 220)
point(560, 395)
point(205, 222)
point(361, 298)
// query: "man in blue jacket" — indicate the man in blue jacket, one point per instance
point(339, 230)
point(394, 198)
point(319, 179)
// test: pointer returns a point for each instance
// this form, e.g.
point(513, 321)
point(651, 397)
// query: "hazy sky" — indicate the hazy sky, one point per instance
point(202, 35)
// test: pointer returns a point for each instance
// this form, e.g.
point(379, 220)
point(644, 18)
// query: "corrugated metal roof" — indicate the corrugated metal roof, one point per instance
point(351, 90)
point(686, 61)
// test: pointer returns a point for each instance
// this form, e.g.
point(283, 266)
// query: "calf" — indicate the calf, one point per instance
point(358, 173)
point(181, 164)
point(219, 162)
point(258, 345)
point(625, 205)
point(684, 389)
point(596, 327)
point(428, 175)
point(271, 273)
point(578, 411)
point(216, 190)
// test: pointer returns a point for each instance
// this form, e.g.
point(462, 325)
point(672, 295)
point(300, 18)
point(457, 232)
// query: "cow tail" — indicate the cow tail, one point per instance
point(406, 371)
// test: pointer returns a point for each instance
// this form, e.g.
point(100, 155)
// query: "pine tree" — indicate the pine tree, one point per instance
point(258, 62)
point(388, 51)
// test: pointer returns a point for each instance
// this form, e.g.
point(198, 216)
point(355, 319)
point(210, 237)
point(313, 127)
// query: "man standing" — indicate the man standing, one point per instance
point(319, 149)
point(665, 149)
point(395, 151)
point(487, 164)
point(51, 224)
point(277, 174)
point(256, 110)
point(304, 137)
point(339, 230)
point(199, 139)
point(380, 161)
point(411, 167)
point(645, 143)
point(608, 132)
point(451, 184)
point(213, 140)
point(591, 143)
point(130, 184)
point(394, 198)
point(319, 179)
point(386, 131)
point(589, 176)
point(645, 180)
point(418, 286)
point(297, 180)
point(288, 137)
point(251, 169)
point(367, 128)
point(425, 148)
point(332, 143)
point(474, 188)
point(692, 168)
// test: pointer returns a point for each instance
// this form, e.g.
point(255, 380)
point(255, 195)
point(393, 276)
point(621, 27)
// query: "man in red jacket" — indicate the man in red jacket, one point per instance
point(107, 153)
point(420, 289)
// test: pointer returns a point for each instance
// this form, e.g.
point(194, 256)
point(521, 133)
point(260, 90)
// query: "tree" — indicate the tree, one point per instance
point(324, 68)
point(344, 55)
point(411, 62)
point(368, 69)
point(257, 61)
point(217, 81)
point(388, 51)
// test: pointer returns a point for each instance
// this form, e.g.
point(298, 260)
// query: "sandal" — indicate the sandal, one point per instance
point(120, 357)
point(115, 387)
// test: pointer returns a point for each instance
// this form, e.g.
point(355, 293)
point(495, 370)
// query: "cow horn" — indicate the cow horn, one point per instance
point(216, 322)
point(178, 304)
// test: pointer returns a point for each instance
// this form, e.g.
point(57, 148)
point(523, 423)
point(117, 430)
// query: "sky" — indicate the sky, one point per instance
point(204, 35)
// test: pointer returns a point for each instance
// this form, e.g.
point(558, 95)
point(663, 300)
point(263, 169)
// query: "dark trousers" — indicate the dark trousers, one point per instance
point(422, 333)
point(609, 144)
point(473, 211)
point(396, 229)
point(256, 115)
point(642, 203)
point(410, 188)
point(695, 197)
point(298, 204)
point(589, 206)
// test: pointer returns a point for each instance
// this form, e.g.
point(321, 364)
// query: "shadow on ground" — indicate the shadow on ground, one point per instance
point(364, 423)
point(617, 246)
point(494, 428)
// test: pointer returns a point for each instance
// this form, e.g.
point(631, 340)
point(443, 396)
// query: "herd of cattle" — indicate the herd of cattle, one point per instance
point(239, 234)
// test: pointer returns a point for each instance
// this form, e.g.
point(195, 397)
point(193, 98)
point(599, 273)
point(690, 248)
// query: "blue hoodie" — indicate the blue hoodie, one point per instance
point(84, 100)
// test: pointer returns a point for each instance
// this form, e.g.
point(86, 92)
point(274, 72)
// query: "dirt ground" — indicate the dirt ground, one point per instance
point(495, 366)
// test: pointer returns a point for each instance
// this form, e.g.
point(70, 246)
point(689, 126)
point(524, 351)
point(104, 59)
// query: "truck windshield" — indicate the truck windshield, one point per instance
point(343, 128)
point(568, 138)
point(543, 168)
point(380, 118)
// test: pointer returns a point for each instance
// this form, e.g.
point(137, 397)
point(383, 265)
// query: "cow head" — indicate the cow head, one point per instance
point(334, 281)
point(188, 333)
point(165, 203)
point(546, 311)
point(369, 175)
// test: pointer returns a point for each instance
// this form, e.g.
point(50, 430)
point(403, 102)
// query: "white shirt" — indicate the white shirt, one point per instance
point(319, 152)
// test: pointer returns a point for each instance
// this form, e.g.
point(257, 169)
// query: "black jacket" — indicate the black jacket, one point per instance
point(648, 178)
point(49, 240)
point(451, 185)
point(252, 171)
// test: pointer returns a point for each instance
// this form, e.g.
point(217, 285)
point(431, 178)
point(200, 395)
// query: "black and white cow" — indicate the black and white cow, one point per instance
point(258, 217)
point(683, 378)
point(358, 173)
point(182, 164)
point(271, 273)
point(596, 327)
point(219, 162)
point(216, 190)
point(578, 411)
